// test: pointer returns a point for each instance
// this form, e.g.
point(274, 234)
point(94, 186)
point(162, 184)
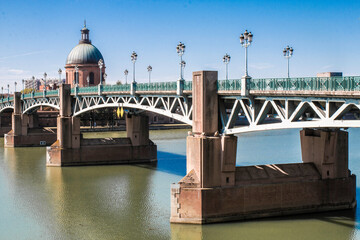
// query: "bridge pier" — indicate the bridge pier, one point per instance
point(71, 149)
point(215, 190)
point(22, 133)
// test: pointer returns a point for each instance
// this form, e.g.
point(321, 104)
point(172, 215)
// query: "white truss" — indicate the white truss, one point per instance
point(240, 114)
point(176, 107)
point(6, 105)
point(31, 103)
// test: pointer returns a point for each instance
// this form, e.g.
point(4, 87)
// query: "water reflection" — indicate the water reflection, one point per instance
point(335, 225)
point(133, 202)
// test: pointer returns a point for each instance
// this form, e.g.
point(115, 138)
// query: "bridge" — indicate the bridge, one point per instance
point(214, 189)
point(274, 103)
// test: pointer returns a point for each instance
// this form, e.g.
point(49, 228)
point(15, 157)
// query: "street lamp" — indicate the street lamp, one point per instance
point(101, 64)
point(15, 87)
point(23, 86)
point(105, 76)
point(59, 71)
point(126, 72)
point(180, 49)
point(76, 74)
point(183, 64)
point(8, 89)
point(133, 59)
point(288, 52)
point(245, 40)
point(2, 92)
point(226, 60)
point(45, 75)
point(149, 68)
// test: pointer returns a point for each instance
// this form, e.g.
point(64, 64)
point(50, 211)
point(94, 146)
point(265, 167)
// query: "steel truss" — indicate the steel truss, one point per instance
point(28, 104)
point(176, 107)
point(248, 114)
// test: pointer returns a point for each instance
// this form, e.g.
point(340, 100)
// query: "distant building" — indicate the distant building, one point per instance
point(86, 57)
point(329, 74)
point(38, 84)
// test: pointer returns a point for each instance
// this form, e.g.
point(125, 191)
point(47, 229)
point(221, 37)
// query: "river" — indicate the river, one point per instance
point(133, 202)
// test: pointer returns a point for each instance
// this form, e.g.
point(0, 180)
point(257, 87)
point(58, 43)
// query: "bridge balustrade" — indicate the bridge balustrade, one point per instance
point(306, 84)
point(156, 86)
point(229, 85)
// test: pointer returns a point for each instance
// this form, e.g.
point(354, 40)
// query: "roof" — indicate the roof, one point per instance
point(84, 53)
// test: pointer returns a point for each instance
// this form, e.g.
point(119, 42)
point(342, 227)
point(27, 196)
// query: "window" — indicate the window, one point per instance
point(74, 80)
point(91, 82)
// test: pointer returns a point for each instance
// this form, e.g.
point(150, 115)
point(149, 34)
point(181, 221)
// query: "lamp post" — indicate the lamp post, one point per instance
point(15, 83)
point(226, 60)
point(45, 75)
point(23, 86)
point(180, 49)
point(8, 89)
point(105, 76)
point(288, 52)
point(246, 40)
point(126, 72)
point(133, 59)
point(183, 64)
point(149, 68)
point(76, 75)
point(101, 64)
point(2, 92)
point(59, 71)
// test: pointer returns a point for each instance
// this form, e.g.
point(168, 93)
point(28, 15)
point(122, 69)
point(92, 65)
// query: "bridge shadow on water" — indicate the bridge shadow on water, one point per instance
point(168, 162)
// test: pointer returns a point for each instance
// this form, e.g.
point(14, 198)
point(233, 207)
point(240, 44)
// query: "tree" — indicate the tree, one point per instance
point(119, 82)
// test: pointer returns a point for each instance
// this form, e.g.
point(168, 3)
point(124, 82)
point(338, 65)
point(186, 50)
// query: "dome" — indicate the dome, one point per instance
point(84, 53)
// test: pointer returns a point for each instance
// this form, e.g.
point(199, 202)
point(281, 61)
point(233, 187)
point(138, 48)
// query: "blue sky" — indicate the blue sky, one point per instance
point(36, 36)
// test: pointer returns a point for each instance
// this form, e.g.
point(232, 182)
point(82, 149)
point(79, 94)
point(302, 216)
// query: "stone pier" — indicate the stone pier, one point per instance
point(215, 190)
point(23, 132)
point(71, 149)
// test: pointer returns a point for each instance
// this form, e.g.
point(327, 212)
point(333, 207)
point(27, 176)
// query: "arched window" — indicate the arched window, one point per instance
point(91, 82)
point(74, 80)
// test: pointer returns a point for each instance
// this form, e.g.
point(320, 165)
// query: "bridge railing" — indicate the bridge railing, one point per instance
point(229, 85)
point(116, 88)
point(93, 89)
point(307, 83)
point(156, 86)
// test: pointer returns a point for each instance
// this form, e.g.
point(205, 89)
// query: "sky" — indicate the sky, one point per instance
point(36, 37)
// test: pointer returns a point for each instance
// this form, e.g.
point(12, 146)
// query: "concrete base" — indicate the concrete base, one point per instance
point(37, 138)
point(261, 191)
point(4, 130)
point(101, 152)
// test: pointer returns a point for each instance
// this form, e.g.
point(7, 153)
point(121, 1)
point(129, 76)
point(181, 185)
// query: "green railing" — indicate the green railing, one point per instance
point(229, 85)
point(27, 95)
point(52, 93)
point(156, 86)
point(308, 83)
point(39, 94)
point(188, 86)
point(93, 89)
point(116, 88)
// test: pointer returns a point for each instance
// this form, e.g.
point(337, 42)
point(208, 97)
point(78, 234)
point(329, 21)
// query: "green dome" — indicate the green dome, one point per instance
point(84, 53)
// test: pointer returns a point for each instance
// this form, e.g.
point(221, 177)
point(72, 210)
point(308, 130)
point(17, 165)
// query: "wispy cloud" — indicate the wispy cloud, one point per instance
point(16, 71)
point(23, 55)
point(327, 67)
point(7, 74)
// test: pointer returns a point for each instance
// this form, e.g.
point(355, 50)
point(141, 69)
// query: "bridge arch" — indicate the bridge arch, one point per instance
point(173, 107)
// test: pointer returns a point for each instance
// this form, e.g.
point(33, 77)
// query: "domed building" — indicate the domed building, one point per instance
point(86, 57)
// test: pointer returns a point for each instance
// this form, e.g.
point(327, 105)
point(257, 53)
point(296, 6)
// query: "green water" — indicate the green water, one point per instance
point(133, 202)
